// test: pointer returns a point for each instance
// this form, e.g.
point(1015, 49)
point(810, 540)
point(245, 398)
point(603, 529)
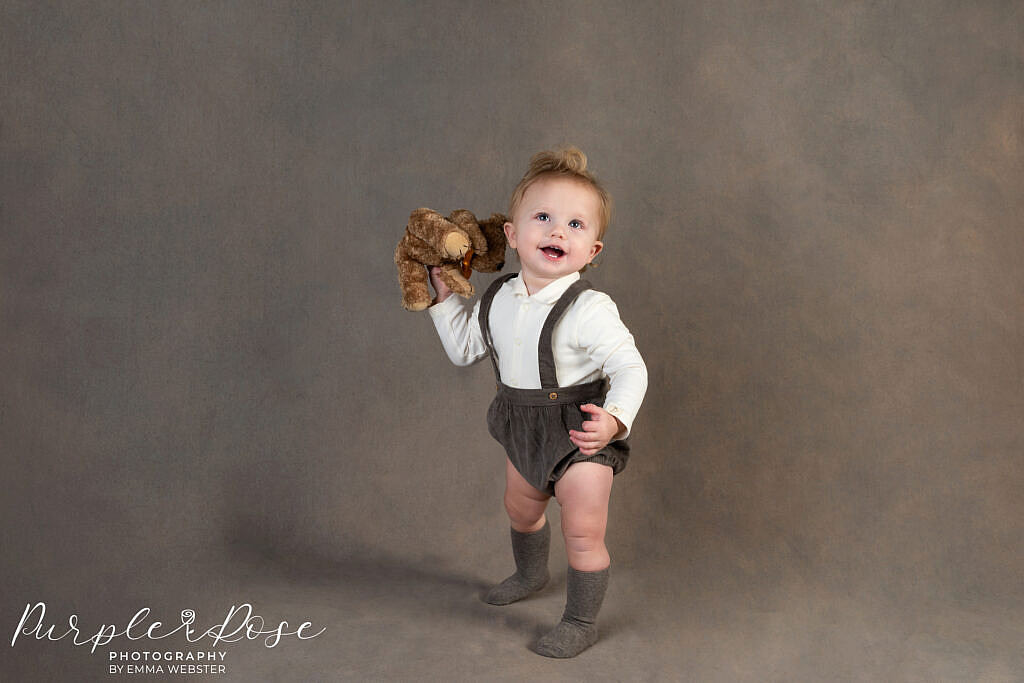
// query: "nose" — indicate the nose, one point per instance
point(557, 229)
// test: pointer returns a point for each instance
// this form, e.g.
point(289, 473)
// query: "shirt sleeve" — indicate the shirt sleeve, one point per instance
point(458, 325)
point(608, 343)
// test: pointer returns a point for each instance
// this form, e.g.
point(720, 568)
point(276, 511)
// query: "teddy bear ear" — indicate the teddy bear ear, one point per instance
point(427, 225)
point(496, 221)
point(462, 217)
point(423, 213)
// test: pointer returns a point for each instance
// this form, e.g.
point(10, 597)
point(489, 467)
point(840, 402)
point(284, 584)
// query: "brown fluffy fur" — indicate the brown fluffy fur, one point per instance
point(432, 240)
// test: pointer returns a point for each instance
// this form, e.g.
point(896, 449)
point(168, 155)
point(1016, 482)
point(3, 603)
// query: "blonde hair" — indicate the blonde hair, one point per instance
point(567, 162)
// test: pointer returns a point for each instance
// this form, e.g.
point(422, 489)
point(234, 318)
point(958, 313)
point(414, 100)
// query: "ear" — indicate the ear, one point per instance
point(510, 234)
point(596, 249)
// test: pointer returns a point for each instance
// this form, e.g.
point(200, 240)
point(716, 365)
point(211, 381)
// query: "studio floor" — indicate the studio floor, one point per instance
point(390, 619)
point(407, 622)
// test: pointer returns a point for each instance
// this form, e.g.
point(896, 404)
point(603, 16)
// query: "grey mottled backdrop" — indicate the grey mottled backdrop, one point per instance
point(209, 393)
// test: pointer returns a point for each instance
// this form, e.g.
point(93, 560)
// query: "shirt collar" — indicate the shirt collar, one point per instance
point(550, 293)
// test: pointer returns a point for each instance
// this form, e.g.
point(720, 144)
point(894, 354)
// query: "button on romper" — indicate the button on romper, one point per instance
point(533, 424)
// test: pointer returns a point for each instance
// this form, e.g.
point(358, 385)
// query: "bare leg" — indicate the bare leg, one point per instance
point(583, 492)
point(531, 540)
point(524, 504)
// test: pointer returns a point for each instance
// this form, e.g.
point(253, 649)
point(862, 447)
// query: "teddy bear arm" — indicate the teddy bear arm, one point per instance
point(412, 279)
point(451, 275)
point(413, 248)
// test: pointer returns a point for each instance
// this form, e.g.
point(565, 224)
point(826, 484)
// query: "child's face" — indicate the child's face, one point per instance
point(554, 229)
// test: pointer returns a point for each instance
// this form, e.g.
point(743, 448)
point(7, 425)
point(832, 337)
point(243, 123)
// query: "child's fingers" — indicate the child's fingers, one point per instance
point(585, 437)
point(599, 423)
point(591, 408)
point(596, 413)
point(589, 448)
point(438, 281)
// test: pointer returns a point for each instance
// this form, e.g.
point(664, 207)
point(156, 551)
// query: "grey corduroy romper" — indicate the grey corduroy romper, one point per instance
point(533, 424)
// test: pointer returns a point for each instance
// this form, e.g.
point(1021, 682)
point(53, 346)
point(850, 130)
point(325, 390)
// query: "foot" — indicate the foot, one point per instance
point(568, 639)
point(515, 588)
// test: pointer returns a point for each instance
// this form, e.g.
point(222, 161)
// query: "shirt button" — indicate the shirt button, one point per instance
point(519, 342)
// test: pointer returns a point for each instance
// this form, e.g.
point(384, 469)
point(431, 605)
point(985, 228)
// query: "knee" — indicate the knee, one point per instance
point(523, 512)
point(584, 543)
point(583, 536)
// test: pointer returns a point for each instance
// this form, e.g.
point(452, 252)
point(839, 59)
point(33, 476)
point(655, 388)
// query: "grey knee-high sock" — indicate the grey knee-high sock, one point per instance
point(578, 628)
point(530, 551)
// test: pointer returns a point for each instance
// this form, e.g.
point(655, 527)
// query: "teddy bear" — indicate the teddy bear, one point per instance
point(458, 244)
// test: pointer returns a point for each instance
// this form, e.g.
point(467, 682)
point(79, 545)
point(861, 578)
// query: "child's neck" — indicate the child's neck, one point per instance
point(535, 284)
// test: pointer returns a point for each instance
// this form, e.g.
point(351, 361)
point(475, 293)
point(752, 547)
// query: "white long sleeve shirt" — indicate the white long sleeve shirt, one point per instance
point(590, 341)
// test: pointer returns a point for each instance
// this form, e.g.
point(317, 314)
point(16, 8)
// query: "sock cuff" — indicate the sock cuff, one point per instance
point(589, 576)
point(546, 529)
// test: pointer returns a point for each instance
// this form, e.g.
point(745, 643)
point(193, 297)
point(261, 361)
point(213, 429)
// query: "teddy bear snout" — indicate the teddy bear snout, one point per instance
point(456, 245)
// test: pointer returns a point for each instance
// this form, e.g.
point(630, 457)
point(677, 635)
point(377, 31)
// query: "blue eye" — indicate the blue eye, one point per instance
point(542, 216)
point(575, 224)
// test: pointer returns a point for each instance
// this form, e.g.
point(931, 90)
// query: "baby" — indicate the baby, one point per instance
point(559, 350)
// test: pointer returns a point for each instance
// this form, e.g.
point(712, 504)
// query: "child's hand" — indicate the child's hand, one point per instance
point(597, 432)
point(439, 286)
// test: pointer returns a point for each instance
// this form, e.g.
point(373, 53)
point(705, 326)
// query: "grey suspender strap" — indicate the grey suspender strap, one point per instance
point(545, 354)
point(485, 312)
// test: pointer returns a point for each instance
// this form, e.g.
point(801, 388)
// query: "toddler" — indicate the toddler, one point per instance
point(559, 350)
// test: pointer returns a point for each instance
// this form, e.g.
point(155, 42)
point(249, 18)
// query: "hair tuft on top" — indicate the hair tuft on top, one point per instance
point(568, 162)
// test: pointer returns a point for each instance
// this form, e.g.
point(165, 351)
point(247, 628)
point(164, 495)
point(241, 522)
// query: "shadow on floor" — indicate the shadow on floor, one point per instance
point(396, 583)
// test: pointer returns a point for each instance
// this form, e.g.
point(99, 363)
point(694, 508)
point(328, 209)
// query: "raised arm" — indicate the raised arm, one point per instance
point(457, 324)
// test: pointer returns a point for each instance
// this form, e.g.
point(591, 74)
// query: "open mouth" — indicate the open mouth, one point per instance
point(552, 252)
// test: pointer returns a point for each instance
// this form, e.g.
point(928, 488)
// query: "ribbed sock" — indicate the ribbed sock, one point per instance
point(530, 551)
point(584, 593)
